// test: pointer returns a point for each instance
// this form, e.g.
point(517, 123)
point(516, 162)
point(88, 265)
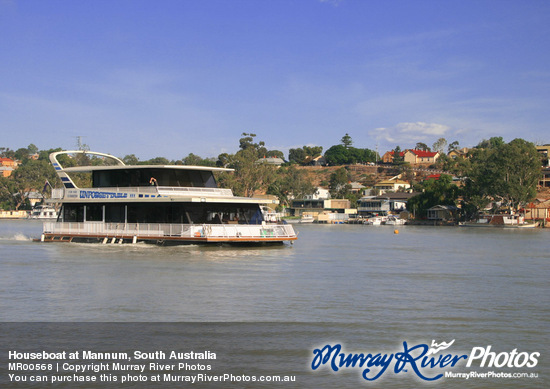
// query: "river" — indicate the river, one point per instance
point(365, 285)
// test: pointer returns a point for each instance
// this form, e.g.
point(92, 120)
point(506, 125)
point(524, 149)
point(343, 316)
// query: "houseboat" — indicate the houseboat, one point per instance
point(43, 211)
point(174, 204)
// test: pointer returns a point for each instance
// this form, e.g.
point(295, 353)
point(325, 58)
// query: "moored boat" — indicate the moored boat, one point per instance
point(43, 212)
point(156, 203)
point(503, 221)
point(394, 221)
point(307, 219)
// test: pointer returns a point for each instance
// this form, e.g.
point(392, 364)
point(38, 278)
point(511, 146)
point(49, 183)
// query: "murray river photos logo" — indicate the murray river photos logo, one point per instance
point(429, 363)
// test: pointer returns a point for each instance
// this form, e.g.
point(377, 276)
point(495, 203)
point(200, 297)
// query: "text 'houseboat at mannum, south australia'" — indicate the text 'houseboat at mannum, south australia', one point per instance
point(158, 204)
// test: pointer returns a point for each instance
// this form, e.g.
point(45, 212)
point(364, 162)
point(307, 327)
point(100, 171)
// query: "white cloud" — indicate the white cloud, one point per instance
point(421, 128)
point(408, 134)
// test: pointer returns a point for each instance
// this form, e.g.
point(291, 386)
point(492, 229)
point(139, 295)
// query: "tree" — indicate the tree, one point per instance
point(32, 148)
point(298, 155)
point(29, 176)
point(339, 183)
point(422, 146)
point(130, 159)
point(433, 192)
point(507, 173)
point(195, 160)
point(492, 143)
point(304, 154)
point(275, 154)
point(156, 161)
point(337, 155)
point(340, 155)
point(249, 176)
point(291, 182)
point(440, 145)
point(397, 157)
point(452, 146)
point(346, 141)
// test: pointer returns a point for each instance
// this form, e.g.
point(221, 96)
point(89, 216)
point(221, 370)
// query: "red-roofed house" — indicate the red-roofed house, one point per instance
point(7, 162)
point(388, 156)
point(414, 157)
point(433, 176)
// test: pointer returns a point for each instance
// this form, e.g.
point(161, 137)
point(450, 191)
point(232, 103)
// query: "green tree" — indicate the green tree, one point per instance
point(28, 177)
point(492, 143)
point(250, 175)
point(291, 182)
point(130, 159)
point(507, 173)
point(340, 155)
point(397, 157)
point(304, 154)
point(195, 160)
point(297, 155)
point(422, 146)
point(433, 192)
point(339, 184)
point(346, 141)
point(440, 145)
point(452, 146)
point(156, 161)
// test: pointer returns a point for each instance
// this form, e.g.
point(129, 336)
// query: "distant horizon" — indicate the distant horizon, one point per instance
point(380, 152)
point(177, 77)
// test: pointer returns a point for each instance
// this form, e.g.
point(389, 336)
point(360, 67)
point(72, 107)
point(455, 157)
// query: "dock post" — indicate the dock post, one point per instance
point(134, 239)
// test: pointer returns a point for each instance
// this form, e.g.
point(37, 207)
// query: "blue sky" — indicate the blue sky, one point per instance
point(169, 78)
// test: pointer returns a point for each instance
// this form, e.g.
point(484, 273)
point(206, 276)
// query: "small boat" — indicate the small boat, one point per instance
point(395, 221)
point(43, 212)
point(307, 219)
point(503, 221)
point(375, 221)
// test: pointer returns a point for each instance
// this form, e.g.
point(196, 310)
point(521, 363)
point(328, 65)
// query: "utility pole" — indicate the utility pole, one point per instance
point(81, 146)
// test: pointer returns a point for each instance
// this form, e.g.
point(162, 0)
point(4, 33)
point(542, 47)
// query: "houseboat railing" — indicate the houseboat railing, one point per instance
point(162, 230)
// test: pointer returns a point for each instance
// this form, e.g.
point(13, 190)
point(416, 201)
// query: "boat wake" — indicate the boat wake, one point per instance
point(17, 237)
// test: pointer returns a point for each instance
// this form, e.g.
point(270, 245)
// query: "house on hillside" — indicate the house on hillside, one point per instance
point(271, 161)
point(356, 187)
point(391, 185)
point(6, 171)
point(458, 153)
point(8, 162)
point(389, 155)
point(318, 161)
point(320, 194)
point(421, 157)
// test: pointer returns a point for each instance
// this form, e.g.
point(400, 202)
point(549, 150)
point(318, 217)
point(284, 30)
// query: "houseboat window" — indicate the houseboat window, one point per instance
point(115, 213)
point(194, 213)
point(94, 213)
point(142, 177)
point(73, 213)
